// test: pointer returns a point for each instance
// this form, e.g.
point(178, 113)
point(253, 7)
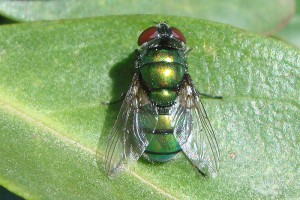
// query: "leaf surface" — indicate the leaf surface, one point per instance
point(55, 77)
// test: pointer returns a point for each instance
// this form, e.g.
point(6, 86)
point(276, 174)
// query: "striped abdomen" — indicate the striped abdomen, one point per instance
point(162, 144)
point(162, 71)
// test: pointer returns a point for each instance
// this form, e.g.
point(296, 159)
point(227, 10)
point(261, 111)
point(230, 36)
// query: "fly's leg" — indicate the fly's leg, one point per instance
point(209, 96)
point(114, 101)
point(190, 82)
point(188, 50)
point(203, 174)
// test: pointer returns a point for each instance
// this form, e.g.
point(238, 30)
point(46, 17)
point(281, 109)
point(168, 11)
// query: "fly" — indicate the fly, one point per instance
point(162, 113)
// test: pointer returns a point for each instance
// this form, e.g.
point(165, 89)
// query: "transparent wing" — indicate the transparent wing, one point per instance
point(193, 130)
point(127, 138)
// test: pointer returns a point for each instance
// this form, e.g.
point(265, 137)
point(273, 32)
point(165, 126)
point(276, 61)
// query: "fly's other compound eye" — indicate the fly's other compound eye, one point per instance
point(147, 35)
point(178, 35)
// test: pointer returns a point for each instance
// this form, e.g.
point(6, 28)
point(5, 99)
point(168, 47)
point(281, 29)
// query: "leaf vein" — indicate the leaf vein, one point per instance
point(22, 114)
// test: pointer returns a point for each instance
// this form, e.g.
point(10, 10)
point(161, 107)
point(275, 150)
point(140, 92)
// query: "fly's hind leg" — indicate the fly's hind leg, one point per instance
point(188, 50)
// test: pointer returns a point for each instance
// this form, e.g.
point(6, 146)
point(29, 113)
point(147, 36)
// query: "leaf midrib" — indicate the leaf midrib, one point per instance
point(38, 123)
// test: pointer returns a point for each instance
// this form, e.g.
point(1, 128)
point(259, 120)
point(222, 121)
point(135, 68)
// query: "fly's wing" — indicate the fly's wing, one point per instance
point(193, 130)
point(127, 138)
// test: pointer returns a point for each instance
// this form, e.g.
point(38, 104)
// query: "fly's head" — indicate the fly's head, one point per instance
point(162, 35)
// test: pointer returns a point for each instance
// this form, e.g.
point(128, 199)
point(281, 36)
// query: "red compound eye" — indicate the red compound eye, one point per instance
point(147, 35)
point(178, 35)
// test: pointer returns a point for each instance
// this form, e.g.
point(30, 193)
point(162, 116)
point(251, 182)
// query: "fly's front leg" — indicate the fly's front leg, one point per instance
point(188, 50)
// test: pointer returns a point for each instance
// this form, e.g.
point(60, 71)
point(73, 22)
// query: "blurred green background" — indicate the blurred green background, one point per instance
point(276, 18)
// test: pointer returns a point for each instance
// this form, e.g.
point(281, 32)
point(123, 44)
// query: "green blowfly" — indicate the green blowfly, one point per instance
point(162, 113)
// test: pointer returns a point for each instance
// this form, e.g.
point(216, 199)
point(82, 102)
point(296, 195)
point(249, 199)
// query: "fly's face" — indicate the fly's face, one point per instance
point(162, 35)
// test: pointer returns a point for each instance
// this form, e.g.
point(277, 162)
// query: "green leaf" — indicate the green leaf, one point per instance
point(264, 16)
point(55, 77)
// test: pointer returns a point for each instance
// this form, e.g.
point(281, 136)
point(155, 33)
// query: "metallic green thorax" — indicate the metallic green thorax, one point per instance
point(162, 72)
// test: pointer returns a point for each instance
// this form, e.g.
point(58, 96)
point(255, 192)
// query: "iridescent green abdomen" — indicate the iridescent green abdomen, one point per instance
point(162, 144)
point(162, 71)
